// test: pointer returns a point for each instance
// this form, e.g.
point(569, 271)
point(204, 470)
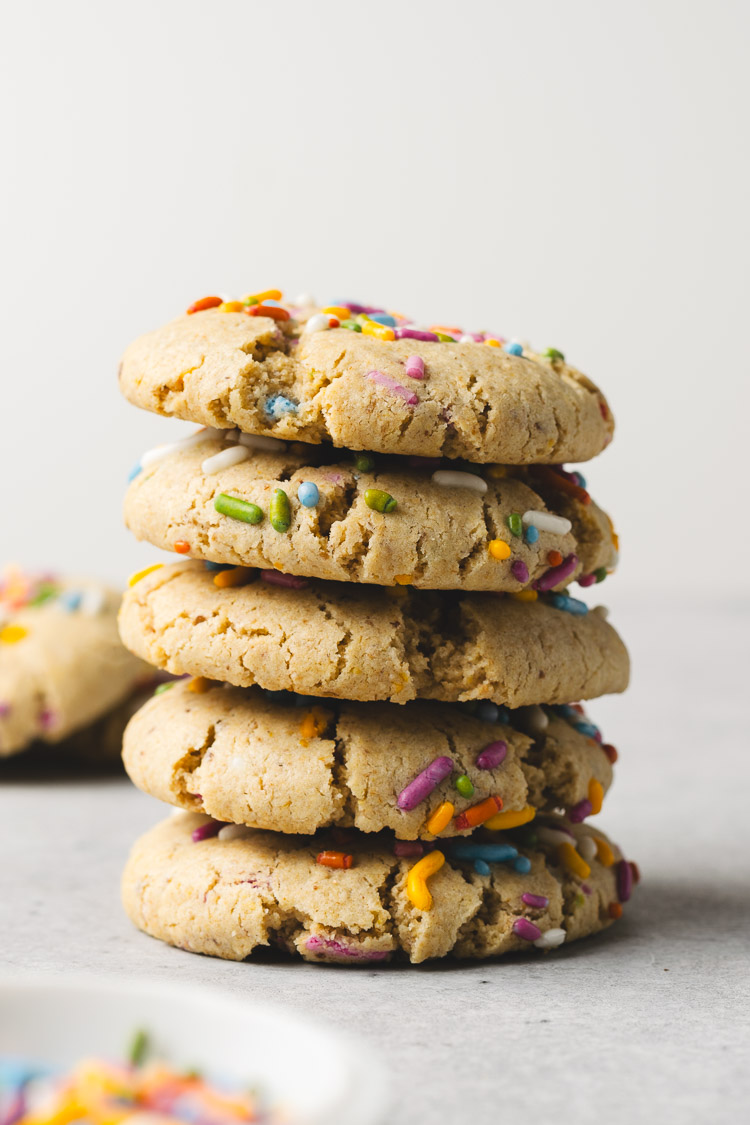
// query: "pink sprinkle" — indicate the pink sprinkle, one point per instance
point(4, 710)
point(276, 578)
point(492, 756)
point(423, 784)
point(341, 950)
point(414, 334)
point(408, 848)
point(624, 880)
point(539, 902)
point(519, 570)
point(206, 831)
point(47, 719)
point(557, 574)
point(526, 930)
point(587, 580)
point(415, 367)
point(580, 811)
point(335, 477)
point(386, 381)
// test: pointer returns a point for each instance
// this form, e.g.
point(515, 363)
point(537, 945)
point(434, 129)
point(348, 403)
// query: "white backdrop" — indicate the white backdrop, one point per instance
point(572, 173)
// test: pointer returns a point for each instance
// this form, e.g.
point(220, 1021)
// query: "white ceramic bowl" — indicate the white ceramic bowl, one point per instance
point(318, 1075)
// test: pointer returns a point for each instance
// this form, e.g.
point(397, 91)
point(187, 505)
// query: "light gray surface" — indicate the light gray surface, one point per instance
point(650, 1018)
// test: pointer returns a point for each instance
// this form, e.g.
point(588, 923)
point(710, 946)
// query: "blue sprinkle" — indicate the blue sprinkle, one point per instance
point(580, 479)
point(278, 405)
point(569, 605)
point(276, 304)
point(586, 728)
point(216, 566)
point(531, 534)
point(490, 853)
point(488, 711)
point(70, 600)
point(522, 865)
point(134, 472)
point(481, 867)
point(513, 349)
point(504, 716)
point(308, 494)
point(565, 711)
point(384, 318)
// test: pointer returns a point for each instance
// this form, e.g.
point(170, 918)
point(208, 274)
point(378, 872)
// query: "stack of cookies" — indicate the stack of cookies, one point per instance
point(377, 744)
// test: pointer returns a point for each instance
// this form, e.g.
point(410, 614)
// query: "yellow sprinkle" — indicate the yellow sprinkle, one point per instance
point(403, 579)
point(512, 818)
point(492, 343)
point(380, 331)
point(259, 298)
point(416, 882)
point(338, 311)
point(604, 853)
point(497, 472)
point(596, 795)
point(139, 574)
point(440, 819)
point(499, 549)
point(314, 722)
point(525, 595)
point(199, 684)
point(574, 863)
point(11, 634)
point(231, 306)
point(237, 576)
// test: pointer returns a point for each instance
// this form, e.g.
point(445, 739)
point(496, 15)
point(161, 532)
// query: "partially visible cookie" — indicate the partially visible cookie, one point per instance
point(62, 664)
point(472, 532)
point(467, 399)
point(243, 756)
point(227, 896)
point(354, 642)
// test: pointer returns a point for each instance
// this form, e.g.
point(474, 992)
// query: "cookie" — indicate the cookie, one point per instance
point(456, 398)
point(247, 758)
point(227, 896)
point(62, 665)
point(453, 536)
point(354, 642)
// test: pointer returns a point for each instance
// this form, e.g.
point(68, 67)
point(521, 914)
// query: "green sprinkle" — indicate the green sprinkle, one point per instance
point(515, 523)
point(250, 301)
point(445, 338)
point(351, 325)
point(279, 512)
point(139, 1045)
point(162, 688)
point(46, 591)
point(553, 354)
point(580, 899)
point(601, 573)
point(464, 786)
point(378, 500)
point(238, 509)
point(364, 462)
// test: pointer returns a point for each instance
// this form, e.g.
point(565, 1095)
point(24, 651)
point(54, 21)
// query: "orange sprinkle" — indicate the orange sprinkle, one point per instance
point(231, 306)
point(610, 751)
point(200, 684)
point(596, 796)
point(335, 859)
point(273, 311)
point(314, 722)
point(554, 558)
point(604, 853)
point(524, 595)
point(571, 860)
point(440, 819)
point(205, 303)
point(562, 484)
point(266, 295)
point(636, 872)
point(477, 814)
point(403, 579)
point(499, 549)
point(379, 331)
point(237, 576)
point(339, 311)
point(615, 910)
point(182, 547)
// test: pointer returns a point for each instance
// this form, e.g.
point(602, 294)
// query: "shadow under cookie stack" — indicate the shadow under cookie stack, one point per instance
point(377, 742)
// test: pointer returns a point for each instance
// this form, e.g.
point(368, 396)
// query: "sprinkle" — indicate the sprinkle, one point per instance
point(550, 939)
point(515, 524)
point(70, 600)
point(339, 860)
point(624, 876)
point(539, 902)
point(464, 786)
point(181, 546)
point(519, 570)
point(600, 574)
point(231, 306)
point(587, 580)
point(378, 331)
point(415, 367)
point(416, 882)
point(499, 549)
point(415, 334)
point(477, 814)
point(604, 853)
point(579, 812)
point(139, 574)
point(587, 848)
point(531, 535)
point(379, 501)
point(279, 512)
point(610, 751)
point(481, 867)
point(522, 865)
point(384, 380)
point(225, 459)
point(490, 853)
point(492, 756)
point(314, 722)
point(351, 325)
point(5, 709)
point(407, 848)
point(278, 405)
point(206, 831)
point(199, 684)
point(572, 861)
point(234, 832)
point(234, 576)
point(513, 349)
point(163, 687)
point(488, 711)
point(569, 605)
point(268, 310)
point(557, 574)
point(262, 442)
point(513, 818)
point(290, 581)
point(546, 521)
point(526, 930)
point(152, 456)
point(318, 323)
point(308, 494)
point(237, 509)
point(403, 579)
point(554, 355)
point(562, 484)
point(586, 728)
point(491, 342)
point(364, 462)
point(555, 835)
point(524, 595)
point(596, 796)
point(440, 819)
point(423, 784)
point(554, 558)
point(615, 910)
point(339, 311)
point(449, 478)
point(205, 303)
point(382, 318)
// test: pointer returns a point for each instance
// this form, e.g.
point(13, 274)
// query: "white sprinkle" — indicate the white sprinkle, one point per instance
point(545, 521)
point(234, 832)
point(162, 451)
point(92, 601)
point(318, 323)
point(550, 939)
point(225, 458)
point(451, 478)
point(466, 339)
point(555, 835)
point(304, 301)
point(586, 847)
point(260, 441)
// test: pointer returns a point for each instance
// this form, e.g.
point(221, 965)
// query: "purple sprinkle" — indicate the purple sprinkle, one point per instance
point(557, 574)
point(386, 381)
point(415, 367)
point(359, 310)
point(342, 950)
point(539, 902)
point(423, 784)
point(580, 811)
point(624, 880)
point(206, 831)
point(276, 578)
point(408, 848)
point(526, 930)
point(586, 888)
point(492, 756)
point(587, 580)
point(519, 570)
point(414, 334)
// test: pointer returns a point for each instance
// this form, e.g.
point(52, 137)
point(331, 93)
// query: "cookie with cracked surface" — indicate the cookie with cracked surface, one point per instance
point(243, 757)
point(265, 376)
point(228, 896)
point(62, 665)
point(356, 642)
point(438, 537)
